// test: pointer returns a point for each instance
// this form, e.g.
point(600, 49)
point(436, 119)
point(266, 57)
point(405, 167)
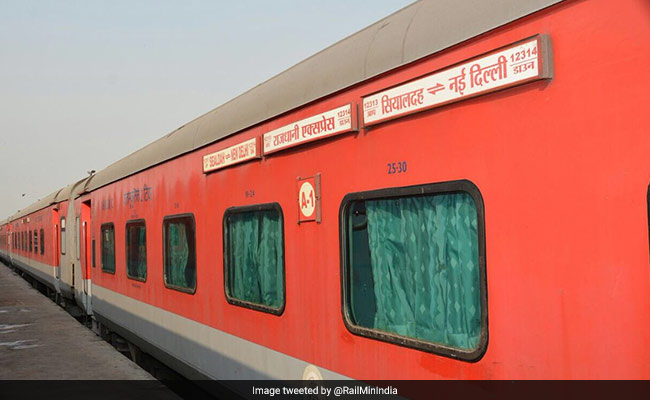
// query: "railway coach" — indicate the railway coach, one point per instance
point(39, 242)
point(457, 191)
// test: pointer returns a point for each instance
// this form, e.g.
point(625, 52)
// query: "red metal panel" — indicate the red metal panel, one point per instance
point(562, 166)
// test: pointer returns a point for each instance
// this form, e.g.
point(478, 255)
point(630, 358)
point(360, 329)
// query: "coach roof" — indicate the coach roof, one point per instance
point(58, 196)
point(40, 204)
point(416, 31)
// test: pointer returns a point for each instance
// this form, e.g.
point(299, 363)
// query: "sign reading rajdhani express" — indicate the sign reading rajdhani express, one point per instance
point(516, 64)
point(333, 122)
point(244, 151)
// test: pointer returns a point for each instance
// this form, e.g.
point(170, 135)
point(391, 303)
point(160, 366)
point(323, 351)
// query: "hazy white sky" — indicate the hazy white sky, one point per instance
point(84, 83)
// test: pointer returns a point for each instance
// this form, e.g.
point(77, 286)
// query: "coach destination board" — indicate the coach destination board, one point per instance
point(516, 64)
point(244, 151)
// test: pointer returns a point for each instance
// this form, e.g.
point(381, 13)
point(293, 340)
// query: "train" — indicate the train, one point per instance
point(458, 191)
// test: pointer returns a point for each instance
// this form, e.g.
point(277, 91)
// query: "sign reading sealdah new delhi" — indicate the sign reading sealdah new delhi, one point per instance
point(333, 122)
point(516, 64)
point(244, 151)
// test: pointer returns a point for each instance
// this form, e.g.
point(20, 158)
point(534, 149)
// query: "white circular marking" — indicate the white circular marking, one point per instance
point(307, 199)
point(311, 373)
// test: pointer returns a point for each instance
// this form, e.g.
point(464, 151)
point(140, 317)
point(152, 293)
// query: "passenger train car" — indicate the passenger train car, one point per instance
point(459, 191)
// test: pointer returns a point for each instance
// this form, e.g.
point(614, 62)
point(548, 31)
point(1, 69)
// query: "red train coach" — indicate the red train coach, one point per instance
point(452, 192)
point(42, 246)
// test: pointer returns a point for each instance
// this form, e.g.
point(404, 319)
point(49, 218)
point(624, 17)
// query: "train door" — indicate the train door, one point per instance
point(84, 250)
point(85, 254)
point(56, 245)
point(80, 268)
point(10, 248)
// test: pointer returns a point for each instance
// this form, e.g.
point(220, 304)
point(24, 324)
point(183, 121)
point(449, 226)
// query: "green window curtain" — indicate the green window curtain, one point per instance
point(256, 257)
point(136, 239)
point(180, 267)
point(423, 253)
point(108, 249)
point(142, 252)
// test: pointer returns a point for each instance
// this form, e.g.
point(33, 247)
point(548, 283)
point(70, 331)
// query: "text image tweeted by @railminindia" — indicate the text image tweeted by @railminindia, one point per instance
point(323, 390)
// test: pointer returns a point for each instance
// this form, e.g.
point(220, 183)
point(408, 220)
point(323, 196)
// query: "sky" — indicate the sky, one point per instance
point(84, 83)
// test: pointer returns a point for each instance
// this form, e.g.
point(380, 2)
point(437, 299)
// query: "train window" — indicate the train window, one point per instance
point(42, 236)
point(30, 241)
point(136, 250)
point(108, 248)
point(62, 235)
point(414, 267)
point(93, 253)
point(254, 257)
point(179, 252)
point(76, 237)
point(35, 241)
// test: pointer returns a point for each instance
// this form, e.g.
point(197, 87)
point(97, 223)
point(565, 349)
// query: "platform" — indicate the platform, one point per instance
point(39, 340)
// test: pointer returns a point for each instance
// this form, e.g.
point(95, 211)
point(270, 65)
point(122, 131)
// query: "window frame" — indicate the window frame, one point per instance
point(466, 186)
point(42, 240)
point(247, 304)
point(101, 245)
point(126, 249)
point(62, 239)
point(164, 249)
point(36, 241)
point(77, 237)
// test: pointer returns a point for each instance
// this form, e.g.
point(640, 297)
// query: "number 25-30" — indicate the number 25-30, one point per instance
point(398, 167)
